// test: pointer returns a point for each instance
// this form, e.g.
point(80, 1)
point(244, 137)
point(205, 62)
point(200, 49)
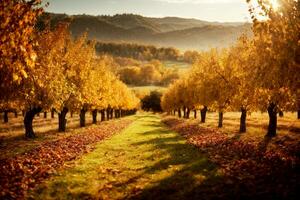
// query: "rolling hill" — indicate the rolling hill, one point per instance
point(169, 31)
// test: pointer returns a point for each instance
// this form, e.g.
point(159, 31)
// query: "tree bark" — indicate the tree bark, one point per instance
point(272, 120)
point(28, 119)
point(281, 114)
point(82, 117)
point(220, 125)
point(243, 120)
point(102, 115)
point(195, 114)
point(107, 113)
point(203, 114)
point(179, 113)
point(188, 111)
point(94, 113)
point(45, 115)
point(111, 113)
point(5, 116)
point(52, 113)
point(62, 121)
point(119, 113)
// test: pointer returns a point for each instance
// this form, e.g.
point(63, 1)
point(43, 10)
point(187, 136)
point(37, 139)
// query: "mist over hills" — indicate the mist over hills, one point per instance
point(168, 31)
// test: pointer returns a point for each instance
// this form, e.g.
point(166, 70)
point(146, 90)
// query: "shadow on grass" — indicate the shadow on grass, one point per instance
point(192, 173)
point(196, 178)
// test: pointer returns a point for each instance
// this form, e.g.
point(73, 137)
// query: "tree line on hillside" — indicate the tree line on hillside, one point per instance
point(146, 52)
point(44, 70)
point(261, 73)
point(137, 51)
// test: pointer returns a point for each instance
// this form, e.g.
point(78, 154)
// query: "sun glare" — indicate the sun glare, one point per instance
point(275, 4)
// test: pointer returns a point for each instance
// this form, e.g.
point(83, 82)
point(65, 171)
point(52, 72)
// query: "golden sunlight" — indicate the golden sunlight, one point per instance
point(274, 3)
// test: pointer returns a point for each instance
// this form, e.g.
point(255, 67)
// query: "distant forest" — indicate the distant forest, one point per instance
point(139, 52)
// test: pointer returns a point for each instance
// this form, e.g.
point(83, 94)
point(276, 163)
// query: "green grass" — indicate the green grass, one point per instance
point(145, 161)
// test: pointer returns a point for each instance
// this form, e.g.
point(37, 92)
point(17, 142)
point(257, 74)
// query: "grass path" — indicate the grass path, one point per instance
point(145, 161)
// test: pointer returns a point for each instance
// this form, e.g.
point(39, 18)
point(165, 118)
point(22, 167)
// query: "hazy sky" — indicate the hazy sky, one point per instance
point(211, 10)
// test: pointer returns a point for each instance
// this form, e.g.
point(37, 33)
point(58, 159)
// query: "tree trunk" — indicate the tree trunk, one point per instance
point(82, 117)
point(102, 115)
point(195, 114)
point(119, 113)
point(5, 116)
point(94, 113)
point(52, 113)
point(203, 114)
point(220, 120)
point(107, 114)
point(111, 113)
point(62, 121)
point(243, 120)
point(28, 119)
point(272, 120)
point(280, 114)
point(45, 115)
point(188, 113)
point(179, 113)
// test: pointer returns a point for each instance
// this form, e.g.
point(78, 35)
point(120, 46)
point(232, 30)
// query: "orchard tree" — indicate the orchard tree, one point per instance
point(215, 82)
point(17, 21)
point(276, 39)
point(200, 77)
point(241, 59)
point(43, 89)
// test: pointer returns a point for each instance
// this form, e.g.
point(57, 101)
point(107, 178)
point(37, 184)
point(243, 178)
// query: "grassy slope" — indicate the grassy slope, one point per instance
point(146, 161)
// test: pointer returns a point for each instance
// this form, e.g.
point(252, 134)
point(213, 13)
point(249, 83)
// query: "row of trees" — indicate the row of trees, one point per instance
point(59, 72)
point(138, 51)
point(259, 73)
point(146, 52)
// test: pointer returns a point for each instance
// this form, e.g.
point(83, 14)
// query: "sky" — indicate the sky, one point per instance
point(209, 10)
